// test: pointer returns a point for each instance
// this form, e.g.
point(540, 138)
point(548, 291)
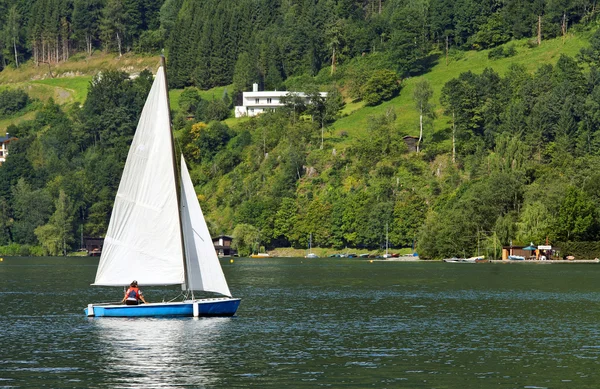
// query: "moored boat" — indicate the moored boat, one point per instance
point(464, 260)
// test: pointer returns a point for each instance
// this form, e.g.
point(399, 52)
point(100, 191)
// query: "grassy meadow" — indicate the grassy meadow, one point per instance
point(476, 61)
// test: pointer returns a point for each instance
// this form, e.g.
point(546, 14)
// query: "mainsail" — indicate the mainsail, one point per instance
point(203, 268)
point(143, 241)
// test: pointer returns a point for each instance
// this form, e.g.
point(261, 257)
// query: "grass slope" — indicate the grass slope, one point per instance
point(66, 82)
point(476, 61)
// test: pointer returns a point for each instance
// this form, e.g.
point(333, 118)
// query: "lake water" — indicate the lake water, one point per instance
point(311, 323)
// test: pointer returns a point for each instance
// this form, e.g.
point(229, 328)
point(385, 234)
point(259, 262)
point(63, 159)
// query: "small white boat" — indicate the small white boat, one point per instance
point(516, 258)
point(464, 260)
point(260, 255)
point(310, 253)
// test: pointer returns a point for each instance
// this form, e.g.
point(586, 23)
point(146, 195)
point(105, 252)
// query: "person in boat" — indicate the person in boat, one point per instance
point(133, 295)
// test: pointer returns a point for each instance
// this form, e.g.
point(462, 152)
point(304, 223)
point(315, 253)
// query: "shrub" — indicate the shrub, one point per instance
point(500, 52)
point(12, 101)
point(510, 51)
point(21, 250)
point(496, 52)
point(580, 250)
point(382, 86)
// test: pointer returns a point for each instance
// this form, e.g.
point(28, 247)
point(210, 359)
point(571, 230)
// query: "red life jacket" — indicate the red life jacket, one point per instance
point(133, 293)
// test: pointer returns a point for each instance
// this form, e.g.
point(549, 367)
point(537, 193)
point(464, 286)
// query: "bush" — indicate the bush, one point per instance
point(356, 73)
point(500, 52)
point(217, 110)
point(382, 86)
point(510, 51)
point(21, 250)
point(12, 101)
point(580, 250)
point(496, 52)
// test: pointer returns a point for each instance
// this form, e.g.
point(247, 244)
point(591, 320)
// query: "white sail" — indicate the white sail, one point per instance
point(143, 241)
point(203, 268)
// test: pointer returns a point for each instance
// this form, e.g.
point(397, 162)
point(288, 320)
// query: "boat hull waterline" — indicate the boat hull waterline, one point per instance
point(205, 308)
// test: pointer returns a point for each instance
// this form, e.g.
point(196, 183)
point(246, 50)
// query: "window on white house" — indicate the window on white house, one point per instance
point(257, 101)
point(268, 101)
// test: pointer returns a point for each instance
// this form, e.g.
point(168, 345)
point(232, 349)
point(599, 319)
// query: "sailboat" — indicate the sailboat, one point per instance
point(387, 243)
point(156, 236)
point(310, 253)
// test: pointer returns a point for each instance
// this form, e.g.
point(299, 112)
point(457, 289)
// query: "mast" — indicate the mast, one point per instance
point(163, 63)
point(386, 239)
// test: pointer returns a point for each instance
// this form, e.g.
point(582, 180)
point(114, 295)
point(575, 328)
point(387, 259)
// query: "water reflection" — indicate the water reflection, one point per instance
point(159, 353)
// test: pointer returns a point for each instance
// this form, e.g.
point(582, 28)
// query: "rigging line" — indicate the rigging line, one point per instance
point(176, 297)
point(197, 234)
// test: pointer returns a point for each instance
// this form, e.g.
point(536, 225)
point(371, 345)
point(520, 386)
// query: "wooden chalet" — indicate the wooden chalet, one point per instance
point(223, 246)
point(411, 143)
point(93, 246)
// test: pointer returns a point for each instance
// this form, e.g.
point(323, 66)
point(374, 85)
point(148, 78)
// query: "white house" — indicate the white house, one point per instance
point(256, 102)
point(4, 141)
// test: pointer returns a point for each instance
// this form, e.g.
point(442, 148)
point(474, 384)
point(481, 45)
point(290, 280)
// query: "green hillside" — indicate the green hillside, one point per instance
point(527, 154)
point(407, 116)
point(72, 80)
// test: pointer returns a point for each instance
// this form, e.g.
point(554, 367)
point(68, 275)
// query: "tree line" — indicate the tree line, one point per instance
point(213, 43)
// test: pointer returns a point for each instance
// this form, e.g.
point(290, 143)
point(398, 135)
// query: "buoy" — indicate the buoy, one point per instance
point(371, 261)
point(1, 259)
point(231, 261)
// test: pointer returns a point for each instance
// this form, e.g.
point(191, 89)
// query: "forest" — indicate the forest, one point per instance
point(501, 159)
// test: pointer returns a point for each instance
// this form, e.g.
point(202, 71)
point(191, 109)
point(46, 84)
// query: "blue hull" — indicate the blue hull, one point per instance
point(205, 307)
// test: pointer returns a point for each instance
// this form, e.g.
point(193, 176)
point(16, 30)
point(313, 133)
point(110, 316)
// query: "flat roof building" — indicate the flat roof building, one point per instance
point(255, 102)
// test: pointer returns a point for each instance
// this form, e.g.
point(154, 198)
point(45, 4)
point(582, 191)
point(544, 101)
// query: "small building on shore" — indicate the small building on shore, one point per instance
point(223, 246)
point(547, 251)
point(93, 246)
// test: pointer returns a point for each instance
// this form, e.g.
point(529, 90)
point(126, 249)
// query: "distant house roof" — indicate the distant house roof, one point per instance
point(222, 236)
point(7, 138)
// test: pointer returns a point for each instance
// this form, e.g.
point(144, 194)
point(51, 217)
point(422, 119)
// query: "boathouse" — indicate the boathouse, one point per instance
point(93, 246)
point(223, 246)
